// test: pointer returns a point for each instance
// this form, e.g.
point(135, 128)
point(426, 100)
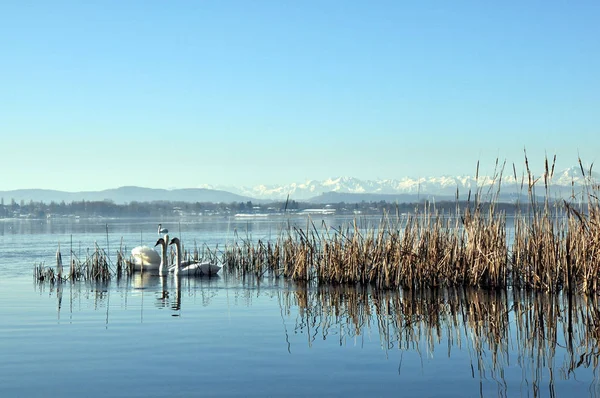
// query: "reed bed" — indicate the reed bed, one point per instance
point(95, 266)
point(556, 245)
point(417, 251)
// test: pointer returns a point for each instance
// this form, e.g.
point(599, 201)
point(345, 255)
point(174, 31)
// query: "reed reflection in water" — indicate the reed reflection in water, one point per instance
point(516, 341)
point(498, 329)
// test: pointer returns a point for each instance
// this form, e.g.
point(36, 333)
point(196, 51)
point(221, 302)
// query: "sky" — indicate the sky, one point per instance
point(179, 94)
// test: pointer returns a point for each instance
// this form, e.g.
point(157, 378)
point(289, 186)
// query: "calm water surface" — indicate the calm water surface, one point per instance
point(152, 336)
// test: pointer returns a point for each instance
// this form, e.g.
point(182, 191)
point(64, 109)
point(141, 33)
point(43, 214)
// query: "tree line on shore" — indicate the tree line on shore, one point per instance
point(107, 208)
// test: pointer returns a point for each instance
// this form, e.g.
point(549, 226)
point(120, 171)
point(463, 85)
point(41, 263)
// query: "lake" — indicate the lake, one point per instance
point(151, 336)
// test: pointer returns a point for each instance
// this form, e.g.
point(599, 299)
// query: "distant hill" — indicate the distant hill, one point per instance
point(125, 195)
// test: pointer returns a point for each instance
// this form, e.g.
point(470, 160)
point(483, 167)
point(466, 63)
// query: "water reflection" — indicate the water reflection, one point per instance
point(166, 291)
point(546, 336)
point(538, 338)
point(145, 227)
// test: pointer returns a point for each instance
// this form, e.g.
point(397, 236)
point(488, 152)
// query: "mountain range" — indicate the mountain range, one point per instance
point(407, 187)
point(341, 189)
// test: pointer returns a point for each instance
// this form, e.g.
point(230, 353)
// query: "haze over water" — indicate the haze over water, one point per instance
point(152, 336)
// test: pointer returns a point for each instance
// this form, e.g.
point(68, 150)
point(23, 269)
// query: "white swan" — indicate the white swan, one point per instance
point(162, 231)
point(145, 258)
point(163, 267)
point(205, 268)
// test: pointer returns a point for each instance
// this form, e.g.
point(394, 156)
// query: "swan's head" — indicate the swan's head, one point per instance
point(174, 241)
point(161, 242)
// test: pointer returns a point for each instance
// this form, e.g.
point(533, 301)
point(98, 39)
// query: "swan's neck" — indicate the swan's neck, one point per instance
point(163, 269)
point(177, 257)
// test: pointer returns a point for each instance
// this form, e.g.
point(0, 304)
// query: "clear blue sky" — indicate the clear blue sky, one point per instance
point(101, 94)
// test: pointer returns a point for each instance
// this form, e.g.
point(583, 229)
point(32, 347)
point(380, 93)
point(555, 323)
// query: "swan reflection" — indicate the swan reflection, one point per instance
point(167, 288)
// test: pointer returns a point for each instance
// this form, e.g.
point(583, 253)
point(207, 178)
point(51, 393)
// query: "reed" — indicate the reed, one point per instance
point(41, 273)
point(421, 250)
point(95, 266)
point(556, 245)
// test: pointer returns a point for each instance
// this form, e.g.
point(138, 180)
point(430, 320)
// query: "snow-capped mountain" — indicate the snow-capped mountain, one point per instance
point(561, 183)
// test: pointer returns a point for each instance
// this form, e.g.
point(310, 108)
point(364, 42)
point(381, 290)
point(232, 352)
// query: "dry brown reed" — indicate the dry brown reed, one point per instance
point(419, 250)
point(556, 245)
point(42, 273)
point(95, 266)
